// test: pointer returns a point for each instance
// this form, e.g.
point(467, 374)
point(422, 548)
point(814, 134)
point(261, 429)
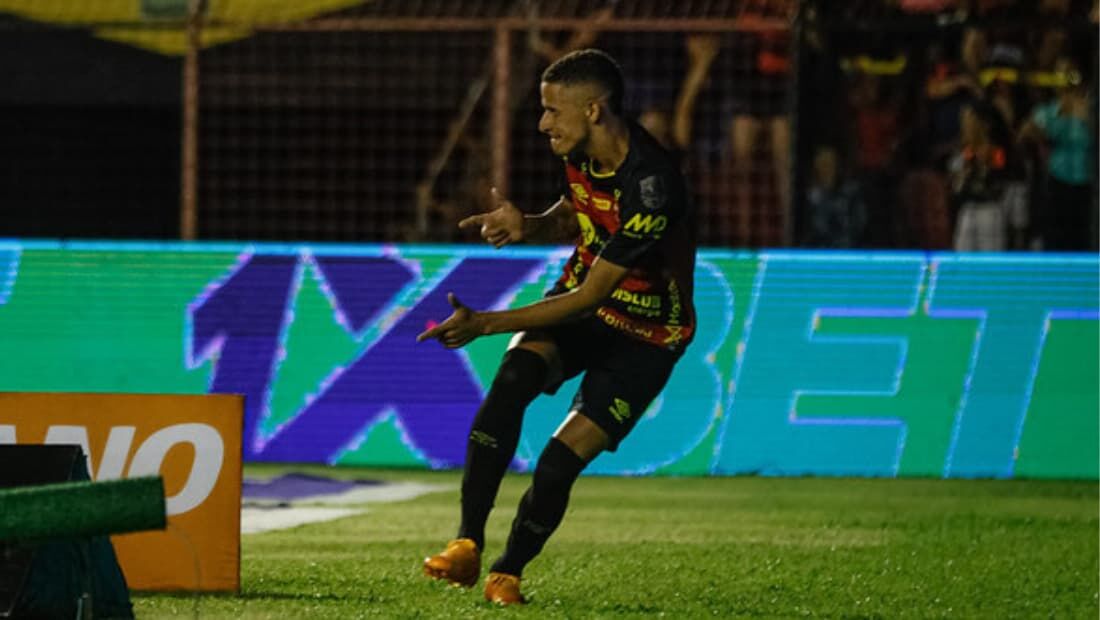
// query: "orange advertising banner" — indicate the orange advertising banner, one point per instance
point(193, 441)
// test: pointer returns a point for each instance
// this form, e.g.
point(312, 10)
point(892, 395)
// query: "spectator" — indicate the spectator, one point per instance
point(668, 114)
point(667, 109)
point(1042, 77)
point(923, 200)
point(674, 129)
point(877, 120)
point(702, 49)
point(1062, 128)
point(760, 58)
point(985, 189)
point(577, 39)
point(951, 86)
point(837, 215)
point(1002, 77)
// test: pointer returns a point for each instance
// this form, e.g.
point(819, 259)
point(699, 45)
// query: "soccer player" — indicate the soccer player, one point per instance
point(621, 313)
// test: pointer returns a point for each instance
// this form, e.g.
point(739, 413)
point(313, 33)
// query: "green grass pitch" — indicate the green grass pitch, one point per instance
point(697, 547)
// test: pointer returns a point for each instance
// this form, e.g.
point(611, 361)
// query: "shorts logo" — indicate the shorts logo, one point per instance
point(652, 192)
point(620, 410)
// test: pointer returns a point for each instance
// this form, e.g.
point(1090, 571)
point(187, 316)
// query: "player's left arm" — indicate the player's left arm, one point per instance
point(465, 324)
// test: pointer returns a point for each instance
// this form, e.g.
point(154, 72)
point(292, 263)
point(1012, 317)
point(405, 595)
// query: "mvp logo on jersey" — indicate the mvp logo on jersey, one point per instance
point(646, 223)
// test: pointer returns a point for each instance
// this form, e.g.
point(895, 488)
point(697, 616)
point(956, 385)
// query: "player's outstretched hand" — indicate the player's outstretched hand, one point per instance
point(459, 329)
point(500, 226)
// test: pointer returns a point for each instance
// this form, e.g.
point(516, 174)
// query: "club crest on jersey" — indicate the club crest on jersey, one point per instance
point(652, 192)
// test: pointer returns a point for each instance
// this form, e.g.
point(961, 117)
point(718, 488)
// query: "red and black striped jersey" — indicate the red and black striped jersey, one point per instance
point(637, 217)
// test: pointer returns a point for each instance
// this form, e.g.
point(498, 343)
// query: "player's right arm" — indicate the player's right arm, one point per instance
point(506, 224)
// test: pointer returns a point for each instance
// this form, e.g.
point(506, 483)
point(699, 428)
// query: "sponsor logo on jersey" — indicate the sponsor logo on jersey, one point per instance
point(621, 324)
point(675, 334)
point(634, 299)
point(588, 229)
point(675, 306)
point(646, 223)
point(603, 204)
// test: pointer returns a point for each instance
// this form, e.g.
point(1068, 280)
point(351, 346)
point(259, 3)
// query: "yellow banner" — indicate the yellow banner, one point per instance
point(124, 21)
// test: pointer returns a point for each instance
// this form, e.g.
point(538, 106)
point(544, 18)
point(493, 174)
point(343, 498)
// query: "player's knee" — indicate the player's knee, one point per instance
point(521, 365)
point(519, 380)
point(521, 370)
point(558, 467)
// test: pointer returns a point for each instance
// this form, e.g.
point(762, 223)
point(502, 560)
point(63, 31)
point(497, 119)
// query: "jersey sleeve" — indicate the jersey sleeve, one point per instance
point(652, 202)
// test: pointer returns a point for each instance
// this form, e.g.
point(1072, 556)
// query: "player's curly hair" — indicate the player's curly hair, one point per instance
point(590, 66)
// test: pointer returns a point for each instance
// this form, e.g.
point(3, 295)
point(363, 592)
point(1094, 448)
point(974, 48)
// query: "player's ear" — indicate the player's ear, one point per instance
point(594, 112)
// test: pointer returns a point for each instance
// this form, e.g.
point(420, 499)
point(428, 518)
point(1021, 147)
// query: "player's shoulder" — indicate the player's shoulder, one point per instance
point(647, 156)
point(649, 165)
point(651, 177)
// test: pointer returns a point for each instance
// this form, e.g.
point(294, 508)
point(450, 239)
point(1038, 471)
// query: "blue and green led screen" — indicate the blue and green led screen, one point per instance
point(867, 364)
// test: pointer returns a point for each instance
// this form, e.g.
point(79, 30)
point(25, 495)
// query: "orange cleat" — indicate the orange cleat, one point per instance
point(459, 563)
point(503, 589)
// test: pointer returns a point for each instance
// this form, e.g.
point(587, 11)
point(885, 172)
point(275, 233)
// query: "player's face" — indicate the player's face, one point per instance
point(565, 116)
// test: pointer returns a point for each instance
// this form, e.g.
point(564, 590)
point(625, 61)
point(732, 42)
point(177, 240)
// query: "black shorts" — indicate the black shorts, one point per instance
point(622, 375)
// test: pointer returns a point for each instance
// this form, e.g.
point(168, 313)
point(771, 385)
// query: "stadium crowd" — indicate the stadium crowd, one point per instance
point(964, 125)
point(930, 124)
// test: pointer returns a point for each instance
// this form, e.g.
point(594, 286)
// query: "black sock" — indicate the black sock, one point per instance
point(494, 436)
point(542, 507)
